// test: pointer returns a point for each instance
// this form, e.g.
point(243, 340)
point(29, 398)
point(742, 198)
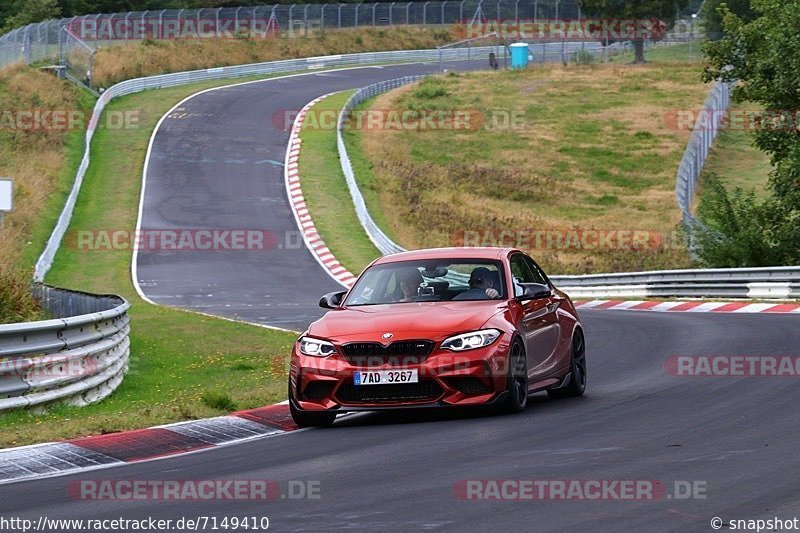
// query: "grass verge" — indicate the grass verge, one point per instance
point(183, 365)
point(734, 158)
point(325, 189)
point(550, 149)
point(115, 63)
point(40, 156)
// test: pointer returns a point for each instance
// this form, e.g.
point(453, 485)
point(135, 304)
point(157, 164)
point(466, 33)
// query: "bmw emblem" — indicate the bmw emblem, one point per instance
point(387, 335)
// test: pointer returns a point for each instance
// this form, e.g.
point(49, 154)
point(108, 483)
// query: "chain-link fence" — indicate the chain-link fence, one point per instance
point(705, 129)
point(55, 40)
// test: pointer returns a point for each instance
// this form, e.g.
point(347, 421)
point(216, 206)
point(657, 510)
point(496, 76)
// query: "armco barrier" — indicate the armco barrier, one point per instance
point(755, 283)
point(78, 358)
point(256, 69)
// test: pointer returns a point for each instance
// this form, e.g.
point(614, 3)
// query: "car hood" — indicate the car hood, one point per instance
point(418, 320)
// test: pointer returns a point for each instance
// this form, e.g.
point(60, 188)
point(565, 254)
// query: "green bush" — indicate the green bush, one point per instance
point(740, 231)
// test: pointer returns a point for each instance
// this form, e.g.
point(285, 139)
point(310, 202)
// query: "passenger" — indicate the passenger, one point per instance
point(483, 285)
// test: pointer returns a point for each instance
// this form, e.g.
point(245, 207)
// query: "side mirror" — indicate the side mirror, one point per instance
point(332, 300)
point(534, 291)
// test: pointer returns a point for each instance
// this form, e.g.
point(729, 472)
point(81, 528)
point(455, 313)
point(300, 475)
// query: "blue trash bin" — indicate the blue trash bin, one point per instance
point(519, 55)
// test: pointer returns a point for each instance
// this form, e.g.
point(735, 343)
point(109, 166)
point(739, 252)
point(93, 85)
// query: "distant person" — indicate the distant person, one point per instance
point(483, 285)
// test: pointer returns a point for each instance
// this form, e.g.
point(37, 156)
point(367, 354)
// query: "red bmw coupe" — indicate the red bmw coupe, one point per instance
point(443, 327)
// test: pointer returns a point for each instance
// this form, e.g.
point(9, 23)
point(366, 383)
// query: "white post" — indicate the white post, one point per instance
point(6, 197)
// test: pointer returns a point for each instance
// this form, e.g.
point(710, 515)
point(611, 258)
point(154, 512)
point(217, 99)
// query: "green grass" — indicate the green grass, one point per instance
point(734, 158)
point(183, 365)
point(326, 192)
point(591, 148)
point(74, 144)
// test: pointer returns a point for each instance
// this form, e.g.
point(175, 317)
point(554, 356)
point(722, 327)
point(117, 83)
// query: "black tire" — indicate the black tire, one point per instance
point(309, 419)
point(577, 369)
point(517, 398)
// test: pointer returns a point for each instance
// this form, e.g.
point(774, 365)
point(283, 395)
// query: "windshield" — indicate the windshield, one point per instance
point(428, 281)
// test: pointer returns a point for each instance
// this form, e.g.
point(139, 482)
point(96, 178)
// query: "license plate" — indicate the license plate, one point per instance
point(385, 377)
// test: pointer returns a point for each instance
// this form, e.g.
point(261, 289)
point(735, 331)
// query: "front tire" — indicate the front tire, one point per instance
point(309, 419)
point(517, 398)
point(577, 369)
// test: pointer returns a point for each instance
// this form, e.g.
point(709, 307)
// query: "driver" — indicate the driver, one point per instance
point(409, 285)
point(482, 283)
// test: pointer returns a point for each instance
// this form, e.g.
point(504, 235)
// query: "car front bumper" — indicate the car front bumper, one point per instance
point(445, 379)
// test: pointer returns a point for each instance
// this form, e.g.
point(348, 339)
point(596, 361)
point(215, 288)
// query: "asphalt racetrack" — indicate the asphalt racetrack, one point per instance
point(217, 162)
point(397, 471)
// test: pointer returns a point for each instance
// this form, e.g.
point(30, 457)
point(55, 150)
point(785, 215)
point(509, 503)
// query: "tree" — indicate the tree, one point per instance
point(763, 57)
point(663, 10)
point(712, 15)
point(22, 12)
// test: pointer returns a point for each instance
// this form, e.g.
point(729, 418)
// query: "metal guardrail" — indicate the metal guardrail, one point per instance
point(182, 78)
point(78, 358)
point(705, 129)
point(758, 283)
point(710, 275)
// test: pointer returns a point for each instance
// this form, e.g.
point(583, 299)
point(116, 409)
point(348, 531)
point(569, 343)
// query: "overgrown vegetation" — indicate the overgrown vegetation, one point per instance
point(116, 63)
point(39, 158)
point(764, 58)
point(554, 150)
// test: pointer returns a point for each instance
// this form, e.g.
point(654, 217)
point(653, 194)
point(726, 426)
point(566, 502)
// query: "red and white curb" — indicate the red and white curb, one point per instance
point(691, 307)
point(114, 449)
point(297, 201)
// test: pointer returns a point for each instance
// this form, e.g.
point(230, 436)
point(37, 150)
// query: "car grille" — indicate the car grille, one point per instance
point(469, 385)
point(317, 390)
point(398, 353)
point(425, 390)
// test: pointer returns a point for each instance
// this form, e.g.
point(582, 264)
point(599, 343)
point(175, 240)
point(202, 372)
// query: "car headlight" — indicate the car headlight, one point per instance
point(470, 341)
point(316, 347)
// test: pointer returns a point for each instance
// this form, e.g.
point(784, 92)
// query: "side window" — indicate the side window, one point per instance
point(521, 273)
point(537, 272)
